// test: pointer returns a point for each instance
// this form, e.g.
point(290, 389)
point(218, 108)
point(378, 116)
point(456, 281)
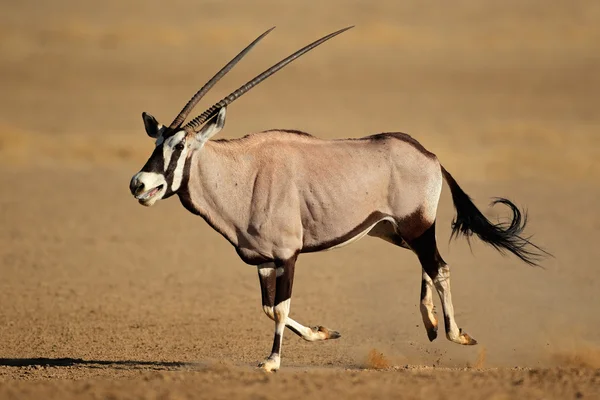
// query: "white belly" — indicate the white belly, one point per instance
point(360, 235)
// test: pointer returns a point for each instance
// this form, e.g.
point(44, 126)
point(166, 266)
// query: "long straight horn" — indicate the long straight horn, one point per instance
point(197, 122)
point(200, 93)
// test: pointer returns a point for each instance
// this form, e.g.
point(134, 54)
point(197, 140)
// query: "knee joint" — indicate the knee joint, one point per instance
point(282, 310)
point(269, 311)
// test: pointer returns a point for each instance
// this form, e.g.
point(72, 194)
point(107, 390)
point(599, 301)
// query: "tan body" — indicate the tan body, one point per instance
point(276, 193)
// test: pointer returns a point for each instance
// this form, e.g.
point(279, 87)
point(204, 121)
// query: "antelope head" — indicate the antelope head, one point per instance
point(162, 175)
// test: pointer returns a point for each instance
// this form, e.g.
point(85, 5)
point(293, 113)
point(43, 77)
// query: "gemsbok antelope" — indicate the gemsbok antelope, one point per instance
point(279, 193)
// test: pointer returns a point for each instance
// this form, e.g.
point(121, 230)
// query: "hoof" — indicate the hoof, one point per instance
point(468, 340)
point(322, 333)
point(464, 339)
point(269, 365)
point(329, 333)
point(431, 327)
point(432, 333)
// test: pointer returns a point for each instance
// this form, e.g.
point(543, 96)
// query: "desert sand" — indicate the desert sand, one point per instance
point(103, 298)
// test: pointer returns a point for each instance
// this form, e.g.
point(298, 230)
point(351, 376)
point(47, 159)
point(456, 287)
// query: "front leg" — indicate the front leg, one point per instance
point(276, 284)
point(267, 278)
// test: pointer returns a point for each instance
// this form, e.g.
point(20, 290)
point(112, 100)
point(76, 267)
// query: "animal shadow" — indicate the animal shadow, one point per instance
point(112, 364)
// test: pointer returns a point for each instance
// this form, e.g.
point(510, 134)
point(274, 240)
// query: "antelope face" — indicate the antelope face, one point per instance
point(163, 173)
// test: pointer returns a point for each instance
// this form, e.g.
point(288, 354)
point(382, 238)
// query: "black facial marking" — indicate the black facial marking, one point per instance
point(179, 146)
point(156, 162)
point(173, 163)
point(169, 173)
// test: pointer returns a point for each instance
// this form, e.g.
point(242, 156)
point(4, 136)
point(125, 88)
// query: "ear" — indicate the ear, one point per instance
point(212, 127)
point(152, 126)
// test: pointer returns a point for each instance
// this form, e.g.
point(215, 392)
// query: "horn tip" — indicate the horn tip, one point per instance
point(267, 32)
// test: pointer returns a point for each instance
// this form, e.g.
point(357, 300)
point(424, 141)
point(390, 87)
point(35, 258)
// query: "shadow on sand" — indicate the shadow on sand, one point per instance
point(116, 364)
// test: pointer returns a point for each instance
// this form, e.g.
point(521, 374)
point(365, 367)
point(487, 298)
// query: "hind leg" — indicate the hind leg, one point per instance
point(427, 308)
point(435, 267)
point(388, 231)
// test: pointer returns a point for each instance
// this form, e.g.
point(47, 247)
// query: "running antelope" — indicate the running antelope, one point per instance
point(276, 194)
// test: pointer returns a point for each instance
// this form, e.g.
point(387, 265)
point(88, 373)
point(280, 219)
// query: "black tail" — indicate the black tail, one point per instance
point(502, 236)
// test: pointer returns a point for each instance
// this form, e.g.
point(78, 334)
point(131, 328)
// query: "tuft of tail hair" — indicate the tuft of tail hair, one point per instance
point(502, 236)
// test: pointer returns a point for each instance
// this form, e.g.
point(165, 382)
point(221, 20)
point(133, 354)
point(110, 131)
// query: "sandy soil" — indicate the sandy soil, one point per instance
point(102, 298)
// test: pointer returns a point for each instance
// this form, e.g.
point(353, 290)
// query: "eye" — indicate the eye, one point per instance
point(179, 146)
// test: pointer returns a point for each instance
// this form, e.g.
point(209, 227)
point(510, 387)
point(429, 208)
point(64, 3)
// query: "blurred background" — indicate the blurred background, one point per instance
point(506, 93)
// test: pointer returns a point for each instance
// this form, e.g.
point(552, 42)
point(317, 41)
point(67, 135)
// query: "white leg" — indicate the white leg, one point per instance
point(281, 312)
point(442, 284)
point(439, 273)
point(427, 308)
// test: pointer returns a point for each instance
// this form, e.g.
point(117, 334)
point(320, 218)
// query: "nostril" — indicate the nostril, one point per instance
point(136, 186)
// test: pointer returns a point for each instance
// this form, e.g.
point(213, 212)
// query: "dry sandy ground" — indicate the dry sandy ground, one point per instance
point(102, 298)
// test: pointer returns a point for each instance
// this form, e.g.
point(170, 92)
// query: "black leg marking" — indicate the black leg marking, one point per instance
point(276, 349)
point(285, 280)
point(423, 289)
point(425, 246)
point(446, 322)
point(296, 331)
point(267, 278)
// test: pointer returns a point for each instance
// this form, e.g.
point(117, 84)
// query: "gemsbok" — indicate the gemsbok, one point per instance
point(279, 193)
